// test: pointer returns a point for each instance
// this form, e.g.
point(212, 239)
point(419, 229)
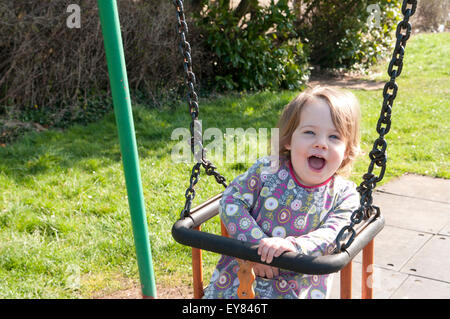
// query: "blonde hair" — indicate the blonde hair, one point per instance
point(345, 114)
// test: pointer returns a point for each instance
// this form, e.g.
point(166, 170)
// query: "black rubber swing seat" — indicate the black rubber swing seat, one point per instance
point(184, 233)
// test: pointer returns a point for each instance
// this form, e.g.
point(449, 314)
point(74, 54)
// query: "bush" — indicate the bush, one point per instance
point(256, 47)
point(256, 51)
point(338, 34)
point(55, 75)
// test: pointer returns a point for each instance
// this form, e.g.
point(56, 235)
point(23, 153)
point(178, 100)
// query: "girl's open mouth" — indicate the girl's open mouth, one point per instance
point(316, 163)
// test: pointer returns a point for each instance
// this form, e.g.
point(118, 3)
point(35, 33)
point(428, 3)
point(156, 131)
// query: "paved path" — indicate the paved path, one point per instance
point(412, 252)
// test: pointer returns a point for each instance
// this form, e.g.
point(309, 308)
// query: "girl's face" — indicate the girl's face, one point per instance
point(317, 149)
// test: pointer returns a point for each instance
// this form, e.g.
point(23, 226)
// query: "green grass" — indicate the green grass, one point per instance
point(65, 229)
point(419, 139)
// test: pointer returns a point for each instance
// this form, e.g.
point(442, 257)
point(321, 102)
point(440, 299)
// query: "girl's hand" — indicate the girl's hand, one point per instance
point(265, 271)
point(274, 247)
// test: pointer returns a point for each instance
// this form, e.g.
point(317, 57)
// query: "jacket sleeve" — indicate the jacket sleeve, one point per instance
point(321, 241)
point(238, 202)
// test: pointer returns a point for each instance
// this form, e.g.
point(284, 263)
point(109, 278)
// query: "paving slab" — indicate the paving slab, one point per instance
point(432, 260)
point(422, 288)
point(445, 231)
point(412, 252)
point(412, 213)
point(385, 282)
point(394, 247)
point(417, 186)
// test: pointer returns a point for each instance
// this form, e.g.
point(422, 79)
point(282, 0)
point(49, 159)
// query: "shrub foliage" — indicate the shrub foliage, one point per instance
point(271, 46)
point(346, 34)
point(254, 48)
point(54, 75)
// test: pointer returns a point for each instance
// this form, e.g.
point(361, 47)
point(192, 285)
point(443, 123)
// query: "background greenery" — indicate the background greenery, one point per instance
point(64, 217)
point(52, 76)
point(55, 76)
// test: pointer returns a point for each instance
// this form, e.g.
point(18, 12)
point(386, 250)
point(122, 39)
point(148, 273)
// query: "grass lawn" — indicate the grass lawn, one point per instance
point(65, 229)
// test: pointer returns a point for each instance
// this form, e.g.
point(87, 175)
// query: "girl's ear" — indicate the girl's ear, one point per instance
point(287, 146)
point(346, 158)
point(347, 151)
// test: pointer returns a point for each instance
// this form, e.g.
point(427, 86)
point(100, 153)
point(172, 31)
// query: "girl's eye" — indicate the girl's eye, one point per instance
point(335, 137)
point(309, 132)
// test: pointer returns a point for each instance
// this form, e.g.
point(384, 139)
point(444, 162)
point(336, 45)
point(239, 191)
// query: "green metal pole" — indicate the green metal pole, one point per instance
point(112, 38)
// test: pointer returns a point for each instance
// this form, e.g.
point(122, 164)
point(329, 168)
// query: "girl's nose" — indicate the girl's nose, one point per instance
point(320, 142)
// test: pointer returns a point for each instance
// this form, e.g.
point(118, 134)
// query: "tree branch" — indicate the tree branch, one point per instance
point(307, 11)
point(244, 7)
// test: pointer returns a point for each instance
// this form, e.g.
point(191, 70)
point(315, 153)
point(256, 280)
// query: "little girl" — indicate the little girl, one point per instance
point(302, 204)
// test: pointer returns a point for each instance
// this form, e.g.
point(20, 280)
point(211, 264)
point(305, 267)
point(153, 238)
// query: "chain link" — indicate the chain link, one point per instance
point(378, 154)
point(195, 128)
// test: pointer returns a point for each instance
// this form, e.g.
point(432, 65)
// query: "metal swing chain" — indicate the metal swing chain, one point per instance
point(378, 155)
point(196, 140)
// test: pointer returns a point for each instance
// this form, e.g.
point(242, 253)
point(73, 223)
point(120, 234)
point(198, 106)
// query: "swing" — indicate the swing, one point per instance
point(365, 222)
